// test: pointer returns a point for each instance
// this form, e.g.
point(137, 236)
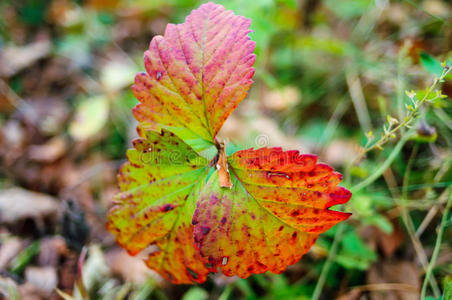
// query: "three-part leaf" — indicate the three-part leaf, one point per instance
point(197, 74)
point(256, 211)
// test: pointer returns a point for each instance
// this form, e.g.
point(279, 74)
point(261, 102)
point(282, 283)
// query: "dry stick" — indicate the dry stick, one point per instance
point(437, 246)
point(409, 225)
point(431, 213)
point(386, 287)
point(357, 95)
point(442, 198)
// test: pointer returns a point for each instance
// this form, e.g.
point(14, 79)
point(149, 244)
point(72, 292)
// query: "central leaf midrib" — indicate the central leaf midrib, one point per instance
point(171, 231)
point(257, 202)
point(203, 42)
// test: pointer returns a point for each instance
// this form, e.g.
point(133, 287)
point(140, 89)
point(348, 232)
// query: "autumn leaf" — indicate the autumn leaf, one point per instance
point(159, 186)
point(197, 74)
point(275, 211)
point(256, 211)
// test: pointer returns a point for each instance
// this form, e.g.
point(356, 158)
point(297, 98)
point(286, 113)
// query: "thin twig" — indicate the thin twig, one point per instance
point(437, 246)
point(386, 287)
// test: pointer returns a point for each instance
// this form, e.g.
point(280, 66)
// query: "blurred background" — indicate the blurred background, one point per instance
point(327, 73)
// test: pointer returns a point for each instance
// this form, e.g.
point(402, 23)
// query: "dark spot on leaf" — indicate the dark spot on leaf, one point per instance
point(223, 220)
point(167, 207)
point(240, 252)
point(158, 75)
point(281, 228)
point(170, 277)
point(193, 273)
point(212, 260)
point(205, 230)
point(294, 235)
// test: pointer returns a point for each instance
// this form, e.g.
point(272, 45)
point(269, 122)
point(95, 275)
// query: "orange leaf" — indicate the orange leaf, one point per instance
point(275, 211)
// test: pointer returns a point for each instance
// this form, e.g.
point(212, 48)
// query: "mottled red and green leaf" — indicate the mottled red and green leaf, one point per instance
point(256, 211)
point(158, 186)
point(197, 74)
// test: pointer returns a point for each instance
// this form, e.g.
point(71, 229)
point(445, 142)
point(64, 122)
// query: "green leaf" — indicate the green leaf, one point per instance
point(158, 186)
point(354, 253)
point(196, 293)
point(430, 64)
point(447, 288)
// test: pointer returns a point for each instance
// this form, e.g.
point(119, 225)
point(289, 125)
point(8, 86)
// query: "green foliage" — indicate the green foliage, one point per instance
point(354, 253)
point(430, 64)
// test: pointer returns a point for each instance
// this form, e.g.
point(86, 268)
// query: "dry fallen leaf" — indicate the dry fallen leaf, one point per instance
point(43, 278)
point(49, 152)
point(13, 59)
point(281, 99)
point(8, 250)
point(131, 268)
point(18, 204)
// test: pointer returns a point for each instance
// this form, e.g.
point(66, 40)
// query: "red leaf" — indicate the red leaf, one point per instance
point(273, 214)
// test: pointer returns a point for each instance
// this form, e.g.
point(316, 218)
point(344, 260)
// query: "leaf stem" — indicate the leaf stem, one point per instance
point(375, 175)
point(437, 246)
